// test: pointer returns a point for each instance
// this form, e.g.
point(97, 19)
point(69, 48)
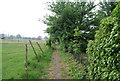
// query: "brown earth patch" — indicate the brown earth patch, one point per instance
point(13, 42)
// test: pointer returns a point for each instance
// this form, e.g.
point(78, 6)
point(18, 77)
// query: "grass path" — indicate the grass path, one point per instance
point(54, 69)
point(64, 66)
point(57, 67)
point(56, 59)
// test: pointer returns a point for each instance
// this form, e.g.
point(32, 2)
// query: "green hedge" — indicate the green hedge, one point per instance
point(104, 51)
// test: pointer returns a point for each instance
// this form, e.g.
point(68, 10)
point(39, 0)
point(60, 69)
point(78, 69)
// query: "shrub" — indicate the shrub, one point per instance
point(104, 51)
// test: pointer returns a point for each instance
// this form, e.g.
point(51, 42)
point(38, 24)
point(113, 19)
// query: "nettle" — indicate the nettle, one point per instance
point(104, 51)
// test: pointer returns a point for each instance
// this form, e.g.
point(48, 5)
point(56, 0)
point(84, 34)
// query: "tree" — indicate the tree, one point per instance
point(72, 25)
point(11, 36)
point(2, 36)
point(39, 37)
point(45, 37)
point(18, 36)
point(105, 9)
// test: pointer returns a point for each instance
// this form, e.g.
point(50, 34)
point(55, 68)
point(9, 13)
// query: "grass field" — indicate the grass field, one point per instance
point(13, 60)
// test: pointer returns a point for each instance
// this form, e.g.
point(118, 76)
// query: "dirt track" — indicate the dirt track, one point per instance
point(58, 68)
point(57, 73)
point(13, 41)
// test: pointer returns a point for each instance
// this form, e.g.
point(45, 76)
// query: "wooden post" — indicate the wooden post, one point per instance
point(26, 60)
point(34, 50)
point(40, 47)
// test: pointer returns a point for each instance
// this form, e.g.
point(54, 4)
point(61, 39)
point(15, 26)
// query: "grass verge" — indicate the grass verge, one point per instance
point(36, 70)
point(75, 69)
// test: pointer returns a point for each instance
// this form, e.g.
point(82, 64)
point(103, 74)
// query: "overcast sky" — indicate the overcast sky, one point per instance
point(21, 17)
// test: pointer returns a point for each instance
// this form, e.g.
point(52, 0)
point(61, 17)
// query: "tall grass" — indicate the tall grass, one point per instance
point(75, 68)
point(37, 69)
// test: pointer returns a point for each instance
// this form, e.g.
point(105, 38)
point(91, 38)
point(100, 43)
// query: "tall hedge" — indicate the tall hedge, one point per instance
point(104, 51)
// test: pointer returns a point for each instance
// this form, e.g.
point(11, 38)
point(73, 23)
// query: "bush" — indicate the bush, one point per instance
point(104, 51)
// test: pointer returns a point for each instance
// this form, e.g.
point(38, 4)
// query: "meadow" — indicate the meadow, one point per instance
point(13, 59)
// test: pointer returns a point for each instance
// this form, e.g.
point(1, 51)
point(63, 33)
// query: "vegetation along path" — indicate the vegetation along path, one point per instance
point(57, 67)
point(56, 59)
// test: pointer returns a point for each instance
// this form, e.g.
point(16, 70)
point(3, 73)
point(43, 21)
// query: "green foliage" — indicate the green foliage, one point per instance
point(107, 7)
point(105, 10)
point(72, 25)
point(104, 51)
point(76, 70)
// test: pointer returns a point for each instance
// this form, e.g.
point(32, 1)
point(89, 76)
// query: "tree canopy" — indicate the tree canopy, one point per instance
point(72, 25)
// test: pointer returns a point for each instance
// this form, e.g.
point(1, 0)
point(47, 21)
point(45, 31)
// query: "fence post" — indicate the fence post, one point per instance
point(26, 60)
point(34, 50)
point(40, 47)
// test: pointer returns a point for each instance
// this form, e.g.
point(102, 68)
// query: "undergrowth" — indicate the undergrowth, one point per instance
point(76, 69)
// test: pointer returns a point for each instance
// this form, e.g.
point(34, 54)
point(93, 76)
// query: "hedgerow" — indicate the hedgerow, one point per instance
point(104, 51)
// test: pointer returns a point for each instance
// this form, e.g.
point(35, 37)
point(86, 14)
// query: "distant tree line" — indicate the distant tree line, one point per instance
point(18, 36)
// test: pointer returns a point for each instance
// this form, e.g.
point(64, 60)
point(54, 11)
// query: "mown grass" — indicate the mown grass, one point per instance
point(13, 61)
